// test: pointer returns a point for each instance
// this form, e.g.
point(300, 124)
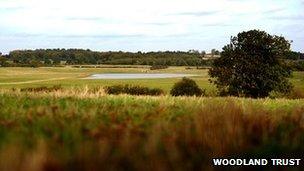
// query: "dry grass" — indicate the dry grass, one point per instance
point(296, 93)
point(74, 131)
point(75, 92)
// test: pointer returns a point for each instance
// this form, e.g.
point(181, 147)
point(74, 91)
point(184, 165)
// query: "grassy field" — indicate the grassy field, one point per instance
point(80, 128)
point(44, 132)
point(72, 77)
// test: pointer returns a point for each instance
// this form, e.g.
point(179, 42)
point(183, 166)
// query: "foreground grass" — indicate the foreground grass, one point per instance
point(83, 132)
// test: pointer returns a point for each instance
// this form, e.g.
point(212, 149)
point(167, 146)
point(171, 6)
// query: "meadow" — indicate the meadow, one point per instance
point(70, 77)
point(80, 127)
point(73, 77)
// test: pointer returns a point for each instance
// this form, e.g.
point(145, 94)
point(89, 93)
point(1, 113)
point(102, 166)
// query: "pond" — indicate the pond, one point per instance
point(137, 76)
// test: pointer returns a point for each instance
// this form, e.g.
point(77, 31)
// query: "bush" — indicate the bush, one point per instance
point(296, 93)
point(156, 67)
point(42, 89)
point(297, 65)
point(133, 90)
point(186, 87)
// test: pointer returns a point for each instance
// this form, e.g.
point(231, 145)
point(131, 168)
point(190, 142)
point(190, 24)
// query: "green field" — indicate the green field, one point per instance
point(76, 128)
point(73, 77)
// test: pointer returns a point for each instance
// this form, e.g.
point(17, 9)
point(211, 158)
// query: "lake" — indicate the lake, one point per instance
point(137, 76)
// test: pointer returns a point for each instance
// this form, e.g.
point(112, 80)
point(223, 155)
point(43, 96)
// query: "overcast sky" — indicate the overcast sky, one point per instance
point(144, 25)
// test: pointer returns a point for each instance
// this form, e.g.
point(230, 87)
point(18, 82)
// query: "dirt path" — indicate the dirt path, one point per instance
point(34, 81)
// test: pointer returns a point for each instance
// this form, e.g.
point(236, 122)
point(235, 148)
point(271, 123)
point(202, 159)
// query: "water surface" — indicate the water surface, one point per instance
point(137, 76)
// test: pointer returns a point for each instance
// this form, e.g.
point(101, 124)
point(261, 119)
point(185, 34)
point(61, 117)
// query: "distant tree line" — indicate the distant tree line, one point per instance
point(294, 55)
point(88, 57)
point(295, 60)
point(54, 57)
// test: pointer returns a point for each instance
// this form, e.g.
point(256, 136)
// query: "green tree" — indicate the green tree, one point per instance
point(35, 63)
point(3, 61)
point(252, 66)
point(215, 52)
point(293, 55)
point(186, 87)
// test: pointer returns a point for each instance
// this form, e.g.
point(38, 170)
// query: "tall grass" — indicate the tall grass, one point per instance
point(60, 132)
point(57, 91)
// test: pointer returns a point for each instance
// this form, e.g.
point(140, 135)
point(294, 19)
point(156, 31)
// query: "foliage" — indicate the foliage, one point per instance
point(42, 89)
point(186, 87)
point(80, 56)
point(133, 90)
point(302, 56)
point(292, 55)
point(156, 67)
point(296, 93)
point(3, 62)
point(215, 52)
point(251, 65)
point(296, 65)
point(55, 57)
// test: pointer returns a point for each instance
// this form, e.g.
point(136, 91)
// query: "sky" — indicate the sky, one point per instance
point(144, 25)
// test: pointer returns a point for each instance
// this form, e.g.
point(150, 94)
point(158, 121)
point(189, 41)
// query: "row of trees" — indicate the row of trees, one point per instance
point(294, 56)
point(49, 57)
point(80, 57)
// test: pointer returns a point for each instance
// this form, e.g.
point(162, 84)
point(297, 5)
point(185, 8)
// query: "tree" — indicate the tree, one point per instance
point(252, 66)
point(292, 55)
point(186, 87)
point(215, 52)
point(301, 55)
point(3, 61)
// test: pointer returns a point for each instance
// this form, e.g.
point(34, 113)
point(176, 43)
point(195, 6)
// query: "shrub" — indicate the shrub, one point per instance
point(156, 67)
point(186, 87)
point(133, 90)
point(42, 89)
point(297, 65)
point(296, 93)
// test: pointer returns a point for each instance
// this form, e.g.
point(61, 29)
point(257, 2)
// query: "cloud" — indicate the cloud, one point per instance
point(290, 17)
point(74, 36)
point(197, 14)
point(271, 11)
point(12, 9)
point(98, 36)
point(218, 25)
point(166, 23)
point(157, 23)
point(85, 18)
point(26, 35)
